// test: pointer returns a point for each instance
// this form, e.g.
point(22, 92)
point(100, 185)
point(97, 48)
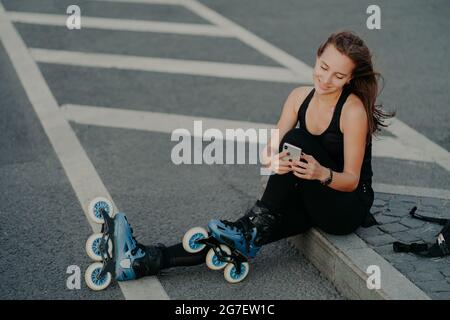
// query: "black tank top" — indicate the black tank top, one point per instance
point(332, 139)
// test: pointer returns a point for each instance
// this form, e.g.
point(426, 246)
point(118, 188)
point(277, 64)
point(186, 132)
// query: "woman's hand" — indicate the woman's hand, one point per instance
point(277, 164)
point(311, 170)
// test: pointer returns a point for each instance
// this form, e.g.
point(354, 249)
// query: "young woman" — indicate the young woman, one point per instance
point(330, 186)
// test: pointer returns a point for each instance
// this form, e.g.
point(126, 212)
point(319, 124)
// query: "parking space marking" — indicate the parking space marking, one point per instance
point(79, 169)
point(302, 70)
point(299, 68)
point(178, 66)
point(120, 24)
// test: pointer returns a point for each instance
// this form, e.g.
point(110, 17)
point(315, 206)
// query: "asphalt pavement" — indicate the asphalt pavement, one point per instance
point(44, 227)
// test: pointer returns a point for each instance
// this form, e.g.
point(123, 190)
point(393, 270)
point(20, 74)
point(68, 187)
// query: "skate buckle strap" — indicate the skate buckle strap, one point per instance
point(242, 226)
point(412, 247)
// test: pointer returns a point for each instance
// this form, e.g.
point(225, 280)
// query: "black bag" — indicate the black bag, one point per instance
point(440, 248)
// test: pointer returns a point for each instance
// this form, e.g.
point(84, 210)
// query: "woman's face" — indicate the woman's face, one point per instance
point(332, 71)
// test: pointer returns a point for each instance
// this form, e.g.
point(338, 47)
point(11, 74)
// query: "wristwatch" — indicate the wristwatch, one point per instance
point(328, 180)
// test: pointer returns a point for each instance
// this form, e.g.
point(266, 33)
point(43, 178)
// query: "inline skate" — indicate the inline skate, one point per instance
point(232, 244)
point(115, 250)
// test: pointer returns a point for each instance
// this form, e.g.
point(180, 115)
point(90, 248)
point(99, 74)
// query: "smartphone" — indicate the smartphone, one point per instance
point(295, 152)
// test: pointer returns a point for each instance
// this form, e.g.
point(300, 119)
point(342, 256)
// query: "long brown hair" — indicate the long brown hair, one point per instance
point(364, 82)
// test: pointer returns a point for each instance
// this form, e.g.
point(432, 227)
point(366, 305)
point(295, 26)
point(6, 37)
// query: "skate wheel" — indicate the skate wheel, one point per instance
point(190, 238)
point(91, 277)
point(231, 274)
point(95, 206)
point(212, 260)
point(93, 247)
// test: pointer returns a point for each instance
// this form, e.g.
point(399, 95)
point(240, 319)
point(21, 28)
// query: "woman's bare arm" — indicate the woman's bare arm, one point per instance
point(287, 121)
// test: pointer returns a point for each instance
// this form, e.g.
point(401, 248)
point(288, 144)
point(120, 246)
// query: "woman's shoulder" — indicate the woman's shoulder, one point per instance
point(353, 105)
point(301, 94)
point(353, 112)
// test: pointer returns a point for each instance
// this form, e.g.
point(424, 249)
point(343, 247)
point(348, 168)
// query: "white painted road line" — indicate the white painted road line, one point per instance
point(388, 147)
point(299, 68)
point(77, 165)
point(164, 122)
point(151, 121)
point(302, 70)
point(191, 67)
point(412, 191)
point(412, 139)
point(163, 2)
point(120, 24)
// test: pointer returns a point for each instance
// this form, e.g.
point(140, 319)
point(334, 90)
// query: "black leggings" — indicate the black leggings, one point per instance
point(303, 204)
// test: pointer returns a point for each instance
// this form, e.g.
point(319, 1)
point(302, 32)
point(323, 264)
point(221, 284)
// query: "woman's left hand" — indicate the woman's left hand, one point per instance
point(311, 170)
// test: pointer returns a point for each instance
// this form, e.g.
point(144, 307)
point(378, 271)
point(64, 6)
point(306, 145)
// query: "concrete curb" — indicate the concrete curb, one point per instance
point(344, 261)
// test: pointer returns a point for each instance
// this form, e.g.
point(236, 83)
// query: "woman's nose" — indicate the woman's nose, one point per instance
point(327, 78)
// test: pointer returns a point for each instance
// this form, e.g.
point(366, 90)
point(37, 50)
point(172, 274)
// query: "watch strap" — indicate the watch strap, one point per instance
point(328, 180)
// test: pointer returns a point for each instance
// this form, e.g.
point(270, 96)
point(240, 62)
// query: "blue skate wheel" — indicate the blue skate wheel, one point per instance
point(191, 237)
point(212, 260)
point(231, 274)
point(93, 280)
point(96, 206)
point(93, 249)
